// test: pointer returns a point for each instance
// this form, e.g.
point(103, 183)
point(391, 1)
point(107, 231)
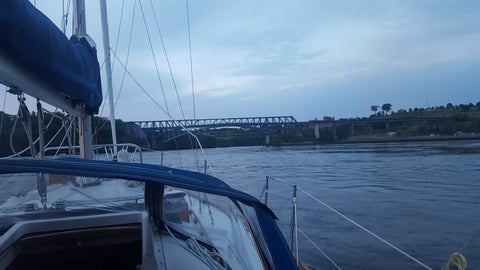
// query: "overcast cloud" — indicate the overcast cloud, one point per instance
point(302, 58)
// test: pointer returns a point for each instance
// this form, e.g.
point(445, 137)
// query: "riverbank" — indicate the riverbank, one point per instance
point(386, 138)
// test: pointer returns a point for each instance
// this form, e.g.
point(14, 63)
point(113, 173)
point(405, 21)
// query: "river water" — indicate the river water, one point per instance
point(422, 197)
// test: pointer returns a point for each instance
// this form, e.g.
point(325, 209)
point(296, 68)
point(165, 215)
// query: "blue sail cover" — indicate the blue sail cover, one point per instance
point(70, 66)
point(281, 255)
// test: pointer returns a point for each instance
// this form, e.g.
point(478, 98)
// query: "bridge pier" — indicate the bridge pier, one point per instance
point(352, 129)
point(335, 133)
point(267, 140)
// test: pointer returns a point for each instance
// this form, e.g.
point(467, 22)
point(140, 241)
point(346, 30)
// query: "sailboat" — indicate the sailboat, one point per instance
point(135, 216)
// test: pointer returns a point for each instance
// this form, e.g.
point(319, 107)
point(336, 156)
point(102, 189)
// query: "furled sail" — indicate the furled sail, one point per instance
point(36, 44)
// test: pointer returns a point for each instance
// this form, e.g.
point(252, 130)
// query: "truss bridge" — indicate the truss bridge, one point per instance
point(171, 129)
point(269, 122)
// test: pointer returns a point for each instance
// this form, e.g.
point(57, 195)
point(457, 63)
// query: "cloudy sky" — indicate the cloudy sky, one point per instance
point(302, 58)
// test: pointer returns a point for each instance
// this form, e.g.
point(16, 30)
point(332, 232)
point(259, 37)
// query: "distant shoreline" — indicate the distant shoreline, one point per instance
point(378, 139)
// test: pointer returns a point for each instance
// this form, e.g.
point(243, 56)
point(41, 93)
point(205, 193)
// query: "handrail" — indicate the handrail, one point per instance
point(100, 146)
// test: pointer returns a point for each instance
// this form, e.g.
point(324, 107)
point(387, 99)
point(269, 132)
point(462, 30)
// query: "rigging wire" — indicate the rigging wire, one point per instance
point(113, 63)
point(195, 154)
point(97, 126)
point(364, 229)
point(54, 136)
point(319, 249)
point(128, 53)
point(191, 62)
point(160, 107)
point(3, 110)
point(63, 139)
point(158, 74)
point(118, 32)
point(67, 132)
point(154, 58)
point(97, 129)
point(102, 106)
point(166, 58)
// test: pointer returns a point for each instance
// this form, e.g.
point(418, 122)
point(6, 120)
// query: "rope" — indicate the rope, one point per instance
point(319, 249)
point(17, 154)
point(200, 252)
point(24, 115)
point(207, 255)
point(11, 141)
point(64, 136)
point(458, 260)
point(54, 136)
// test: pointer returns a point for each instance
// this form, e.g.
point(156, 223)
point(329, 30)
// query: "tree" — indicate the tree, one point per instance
point(464, 107)
point(386, 107)
point(449, 106)
point(374, 108)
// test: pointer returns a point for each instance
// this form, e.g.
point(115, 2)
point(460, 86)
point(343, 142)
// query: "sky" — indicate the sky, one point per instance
point(307, 59)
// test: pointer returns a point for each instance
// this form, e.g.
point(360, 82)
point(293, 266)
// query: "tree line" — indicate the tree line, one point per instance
point(387, 107)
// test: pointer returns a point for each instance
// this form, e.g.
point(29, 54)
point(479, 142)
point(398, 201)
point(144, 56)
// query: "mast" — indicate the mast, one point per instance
point(108, 71)
point(84, 120)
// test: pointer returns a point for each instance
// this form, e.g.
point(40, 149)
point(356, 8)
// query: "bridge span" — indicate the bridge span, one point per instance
point(269, 122)
point(171, 129)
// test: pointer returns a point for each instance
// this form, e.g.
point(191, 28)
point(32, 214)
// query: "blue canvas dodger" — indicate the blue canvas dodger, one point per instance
point(281, 255)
